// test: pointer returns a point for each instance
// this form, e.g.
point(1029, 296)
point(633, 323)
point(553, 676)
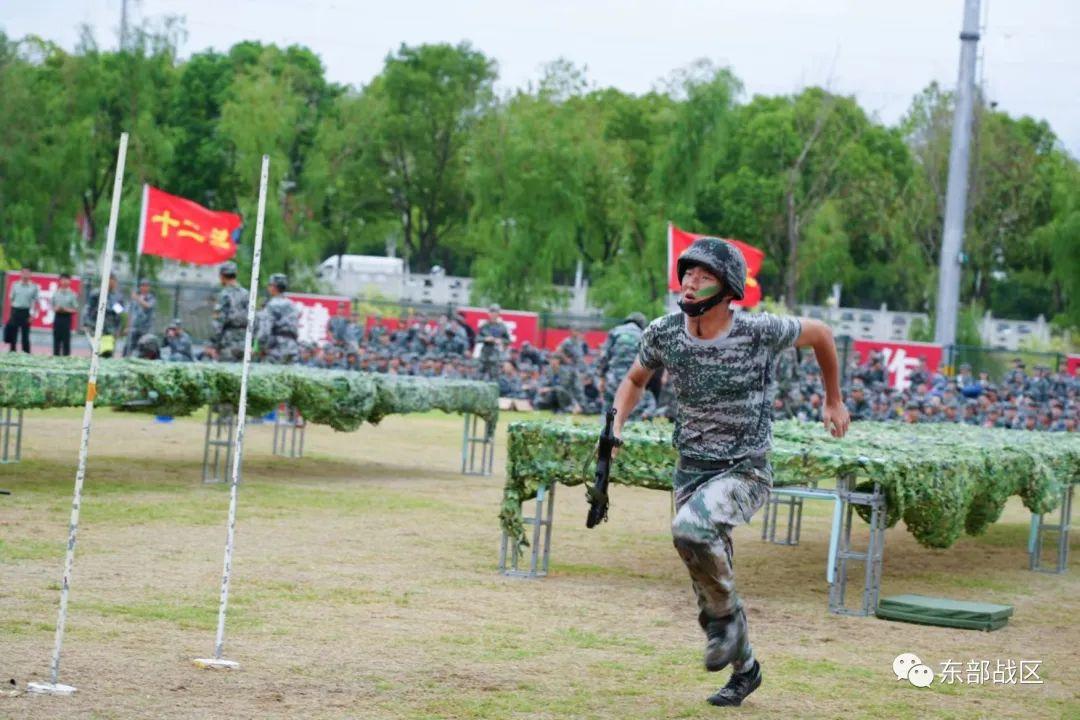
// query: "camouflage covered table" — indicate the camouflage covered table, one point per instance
point(342, 399)
point(942, 480)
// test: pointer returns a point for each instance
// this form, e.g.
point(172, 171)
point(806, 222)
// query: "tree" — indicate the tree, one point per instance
point(426, 101)
point(1014, 193)
point(343, 183)
point(553, 177)
point(260, 117)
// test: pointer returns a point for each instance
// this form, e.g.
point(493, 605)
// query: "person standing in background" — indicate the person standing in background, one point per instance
point(24, 294)
point(65, 303)
point(142, 316)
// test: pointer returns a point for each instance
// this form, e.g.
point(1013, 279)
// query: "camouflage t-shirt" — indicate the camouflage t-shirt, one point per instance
point(724, 386)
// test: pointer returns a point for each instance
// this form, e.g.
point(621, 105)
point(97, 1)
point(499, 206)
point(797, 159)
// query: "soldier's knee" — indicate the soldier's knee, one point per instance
point(689, 526)
point(688, 547)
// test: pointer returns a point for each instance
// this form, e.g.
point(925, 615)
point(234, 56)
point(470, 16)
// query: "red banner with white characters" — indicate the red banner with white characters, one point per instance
point(41, 313)
point(315, 314)
point(900, 359)
point(1072, 364)
point(680, 240)
point(178, 228)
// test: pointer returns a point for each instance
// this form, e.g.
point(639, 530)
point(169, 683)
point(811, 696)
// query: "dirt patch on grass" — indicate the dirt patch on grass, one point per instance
point(365, 586)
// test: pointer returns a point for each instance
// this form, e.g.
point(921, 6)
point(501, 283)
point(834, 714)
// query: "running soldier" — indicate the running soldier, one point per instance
point(230, 317)
point(279, 325)
point(722, 367)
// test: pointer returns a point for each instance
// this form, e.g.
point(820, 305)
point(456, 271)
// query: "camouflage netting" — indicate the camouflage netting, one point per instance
point(941, 479)
point(341, 399)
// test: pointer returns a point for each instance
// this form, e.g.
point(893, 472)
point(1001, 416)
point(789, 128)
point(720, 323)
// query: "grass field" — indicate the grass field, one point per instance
point(365, 585)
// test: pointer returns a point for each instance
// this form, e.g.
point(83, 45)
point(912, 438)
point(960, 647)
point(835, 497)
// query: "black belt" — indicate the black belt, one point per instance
point(716, 466)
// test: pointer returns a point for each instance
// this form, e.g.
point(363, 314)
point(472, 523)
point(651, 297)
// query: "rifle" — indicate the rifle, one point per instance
point(597, 494)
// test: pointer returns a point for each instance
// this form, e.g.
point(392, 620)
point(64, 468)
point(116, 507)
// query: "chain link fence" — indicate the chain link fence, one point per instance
point(194, 306)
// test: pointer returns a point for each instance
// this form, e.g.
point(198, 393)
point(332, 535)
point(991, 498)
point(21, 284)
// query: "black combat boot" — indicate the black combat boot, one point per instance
point(738, 687)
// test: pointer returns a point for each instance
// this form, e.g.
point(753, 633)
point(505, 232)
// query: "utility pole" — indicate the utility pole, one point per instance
point(948, 295)
point(123, 24)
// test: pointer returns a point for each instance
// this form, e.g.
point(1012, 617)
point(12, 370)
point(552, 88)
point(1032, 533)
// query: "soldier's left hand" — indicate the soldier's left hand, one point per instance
point(836, 418)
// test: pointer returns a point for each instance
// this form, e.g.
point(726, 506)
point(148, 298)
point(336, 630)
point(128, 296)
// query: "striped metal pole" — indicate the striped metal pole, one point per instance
point(54, 687)
point(217, 661)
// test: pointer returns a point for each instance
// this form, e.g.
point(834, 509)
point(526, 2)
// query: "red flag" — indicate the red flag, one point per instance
point(177, 228)
point(679, 240)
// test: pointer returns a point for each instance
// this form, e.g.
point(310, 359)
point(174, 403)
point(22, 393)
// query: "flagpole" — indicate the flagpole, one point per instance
point(670, 249)
point(142, 231)
point(129, 340)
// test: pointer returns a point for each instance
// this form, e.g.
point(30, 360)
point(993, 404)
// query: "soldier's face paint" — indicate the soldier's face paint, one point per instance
point(697, 302)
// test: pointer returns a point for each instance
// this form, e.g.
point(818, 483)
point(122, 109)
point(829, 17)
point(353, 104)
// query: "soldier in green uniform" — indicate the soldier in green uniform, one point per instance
point(560, 391)
point(722, 367)
point(141, 318)
point(858, 406)
point(494, 337)
point(177, 344)
point(617, 354)
point(574, 349)
point(230, 317)
point(279, 325)
point(490, 359)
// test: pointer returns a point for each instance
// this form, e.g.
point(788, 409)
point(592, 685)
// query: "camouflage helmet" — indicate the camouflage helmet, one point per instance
point(638, 319)
point(719, 257)
point(149, 344)
point(228, 269)
point(174, 323)
point(280, 281)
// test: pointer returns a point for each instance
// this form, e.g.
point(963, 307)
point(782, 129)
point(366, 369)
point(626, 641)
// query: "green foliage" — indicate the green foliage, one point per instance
point(341, 399)
point(517, 190)
point(941, 480)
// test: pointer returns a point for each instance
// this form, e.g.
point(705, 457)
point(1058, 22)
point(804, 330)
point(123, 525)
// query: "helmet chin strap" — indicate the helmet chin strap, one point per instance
point(712, 297)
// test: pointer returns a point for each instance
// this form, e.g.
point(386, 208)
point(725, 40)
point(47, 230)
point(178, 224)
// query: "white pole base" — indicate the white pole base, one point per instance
point(216, 664)
point(43, 688)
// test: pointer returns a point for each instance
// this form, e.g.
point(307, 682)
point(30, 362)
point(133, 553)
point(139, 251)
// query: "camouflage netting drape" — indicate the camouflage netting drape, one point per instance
point(940, 479)
point(341, 399)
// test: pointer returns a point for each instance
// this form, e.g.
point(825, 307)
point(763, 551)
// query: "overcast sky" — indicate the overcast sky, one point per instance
point(882, 52)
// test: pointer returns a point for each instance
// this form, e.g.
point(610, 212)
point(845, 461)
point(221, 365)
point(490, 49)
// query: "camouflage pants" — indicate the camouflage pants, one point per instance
point(711, 499)
point(230, 345)
point(281, 350)
point(489, 370)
